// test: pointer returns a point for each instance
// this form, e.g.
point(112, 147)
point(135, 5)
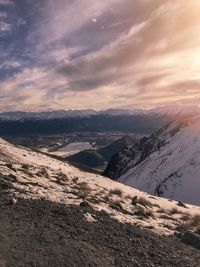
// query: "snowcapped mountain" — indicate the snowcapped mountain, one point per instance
point(123, 112)
point(61, 114)
point(47, 115)
point(62, 122)
point(166, 164)
point(175, 111)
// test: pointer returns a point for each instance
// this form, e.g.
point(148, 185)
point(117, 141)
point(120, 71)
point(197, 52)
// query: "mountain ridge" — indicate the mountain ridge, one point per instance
point(171, 111)
point(159, 164)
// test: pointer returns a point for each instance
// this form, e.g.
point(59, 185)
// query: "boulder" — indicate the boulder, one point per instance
point(191, 238)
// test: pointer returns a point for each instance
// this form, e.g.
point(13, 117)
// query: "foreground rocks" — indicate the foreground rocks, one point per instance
point(191, 238)
point(42, 233)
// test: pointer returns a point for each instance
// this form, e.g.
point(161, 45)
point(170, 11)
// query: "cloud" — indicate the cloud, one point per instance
point(149, 49)
point(11, 64)
point(5, 27)
point(6, 2)
point(32, 88)
point(62, 18)
point(3, 14)
point(103, 54)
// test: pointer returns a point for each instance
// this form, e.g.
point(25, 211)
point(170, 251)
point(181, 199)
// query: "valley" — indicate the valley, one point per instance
point(91, 150)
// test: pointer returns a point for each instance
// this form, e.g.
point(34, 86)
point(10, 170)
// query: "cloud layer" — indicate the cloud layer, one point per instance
point(99, 54)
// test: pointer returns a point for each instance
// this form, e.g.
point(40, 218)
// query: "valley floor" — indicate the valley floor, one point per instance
point(43, 233)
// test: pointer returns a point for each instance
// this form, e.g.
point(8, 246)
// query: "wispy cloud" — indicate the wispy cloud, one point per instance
point(3, 15)
point(10, 64)
point(80, 54)
point(5, 27)
point(6, 2)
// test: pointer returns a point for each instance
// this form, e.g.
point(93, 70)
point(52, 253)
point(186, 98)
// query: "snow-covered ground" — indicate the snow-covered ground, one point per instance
point(37, 176)
point(174, 170)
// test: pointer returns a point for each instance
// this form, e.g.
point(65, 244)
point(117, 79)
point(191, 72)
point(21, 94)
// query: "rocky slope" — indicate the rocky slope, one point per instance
point(56, 215)
point(166, 163)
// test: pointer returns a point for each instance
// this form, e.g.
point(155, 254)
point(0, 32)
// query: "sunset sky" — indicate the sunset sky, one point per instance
point(79, 54)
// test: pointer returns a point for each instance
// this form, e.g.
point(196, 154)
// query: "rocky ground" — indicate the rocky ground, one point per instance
point(43, 233)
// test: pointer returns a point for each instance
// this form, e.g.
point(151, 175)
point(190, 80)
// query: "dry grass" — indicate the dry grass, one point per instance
point(107, 199)
point(75, 180)
point(100, 192)
point(173, 211)
point(168, 226)
point(146, 214)
point(150, 214)
point(25, 166)
point(128, 197)
point(161, 211)
point(193, 224)
point(62, 177)
point(83, 190)
point(12, 177)
point(27, 172)
point(93, 200)
point(186, 217)
point(43, 172)
point(167, 217)
point(116, 191)
point(144, 202)
point(10, 166)
point(116, 205)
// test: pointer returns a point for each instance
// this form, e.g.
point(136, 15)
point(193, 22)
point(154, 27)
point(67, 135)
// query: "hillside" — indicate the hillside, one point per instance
point(92, 220)
point(98, 158)
point(166, 164)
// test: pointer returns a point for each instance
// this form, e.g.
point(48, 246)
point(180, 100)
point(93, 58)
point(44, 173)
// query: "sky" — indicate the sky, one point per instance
point(96, 54)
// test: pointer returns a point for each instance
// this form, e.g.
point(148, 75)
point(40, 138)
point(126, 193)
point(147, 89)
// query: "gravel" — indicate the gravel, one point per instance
point(43, 233)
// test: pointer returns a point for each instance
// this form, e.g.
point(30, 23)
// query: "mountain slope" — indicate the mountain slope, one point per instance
point(116, 146)
point(165, 164)
point(43, 177)
point(57, 215)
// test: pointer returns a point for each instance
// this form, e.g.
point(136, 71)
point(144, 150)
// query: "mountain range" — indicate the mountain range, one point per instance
point(61, 123)
point(172, 111)
point(143, 122)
